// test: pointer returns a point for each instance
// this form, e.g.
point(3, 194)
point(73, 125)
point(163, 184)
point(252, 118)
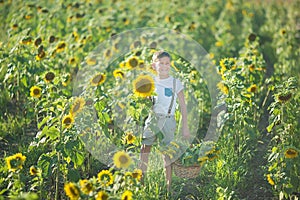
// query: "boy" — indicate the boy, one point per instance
point(167, 89)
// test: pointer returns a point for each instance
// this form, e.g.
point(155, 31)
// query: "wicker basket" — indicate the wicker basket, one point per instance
point(186, 171)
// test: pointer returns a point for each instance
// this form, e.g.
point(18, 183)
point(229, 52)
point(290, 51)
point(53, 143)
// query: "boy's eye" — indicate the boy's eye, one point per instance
point(164, 63)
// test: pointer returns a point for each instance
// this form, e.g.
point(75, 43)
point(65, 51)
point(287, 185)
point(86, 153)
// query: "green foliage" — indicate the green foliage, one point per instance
point(283, 159)
point(255, 46)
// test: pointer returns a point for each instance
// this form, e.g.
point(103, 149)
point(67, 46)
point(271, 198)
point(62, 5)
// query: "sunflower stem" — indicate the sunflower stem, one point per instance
point(58, 164)
point(57, 176)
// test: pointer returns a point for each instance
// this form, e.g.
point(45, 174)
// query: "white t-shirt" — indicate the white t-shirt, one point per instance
point(164, 90)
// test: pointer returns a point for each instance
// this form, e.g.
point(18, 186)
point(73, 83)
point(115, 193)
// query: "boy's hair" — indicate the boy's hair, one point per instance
point(160, 54)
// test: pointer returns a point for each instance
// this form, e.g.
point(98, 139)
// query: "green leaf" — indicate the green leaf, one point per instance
point(43, 122)
point(24, 81)
point(53, 132)
point(270, 127)
point(44, 163)
point(73, 175)
point(74, 151)
point(3, 191)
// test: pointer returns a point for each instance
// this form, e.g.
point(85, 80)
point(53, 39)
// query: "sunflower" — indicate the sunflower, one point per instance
point(136, 44)
point(35, 91)
point(222, 67)
point(86, 186)
point(40, 55)
point(192, 26)
point(122, 159)
point(69, 19)
point(282, 31)
point(291, 153)
point(107, 53)
point(153, 45)
point(26, 40)
point(77, 106)
point(53, 54)
point(122, 64)
point(212, 156)
point(15, 162)
point(105, 178)
point(98, 79)
point(60, 47)
point(141, 64)
point(252, 68)
point(143, 86)
point(72, 191)
point(91, 61)
point(75, 35)
point(68, 121)
point(223, 88)
point(116, 47)
point(102, 195)
point(52, 39)
point(127, 195)
point(137, 174)
point(218, 43)
point(38, 41)
point(118, 73)
point(33, 170)
point(167, 19)
point(29, 16)
point(252, 88)
point(125, 21)
point(15, 26)
point(130, 138)
point(203, 159)
point(73, 61)
point(252, 37)
point(49, 76)
point(132, 62)
point(66, 79)
point(284, 97)
point(270, 180)
point(127, 174)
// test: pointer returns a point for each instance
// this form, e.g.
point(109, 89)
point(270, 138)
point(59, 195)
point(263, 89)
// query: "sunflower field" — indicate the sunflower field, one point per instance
point(76, 87)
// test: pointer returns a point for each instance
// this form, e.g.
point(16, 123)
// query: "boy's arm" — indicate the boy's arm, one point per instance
point(185, 129)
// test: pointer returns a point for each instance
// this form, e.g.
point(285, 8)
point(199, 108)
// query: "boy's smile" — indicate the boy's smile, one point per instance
point(163, 67)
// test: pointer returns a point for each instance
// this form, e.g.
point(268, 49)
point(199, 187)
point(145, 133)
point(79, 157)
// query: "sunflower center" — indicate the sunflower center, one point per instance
point(133, 62)
point(34, 171)
point(107, 54)
point(105, 177)
point(61, 46)
point(49, 76)
point(136, 44)
point(253, 89)
point(74, 191)
point(36, 91)
point(68, 121)
point(76, 107)
point(144, 86)
point(97, 79)
point(104, 196)
point(291, 152)
point(129, 137)
point(72, 60)
point(88, 186)
point(123, 159)
point(285, 97)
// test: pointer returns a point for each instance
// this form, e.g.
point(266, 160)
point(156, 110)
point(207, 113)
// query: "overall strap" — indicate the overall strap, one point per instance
point(173, 96)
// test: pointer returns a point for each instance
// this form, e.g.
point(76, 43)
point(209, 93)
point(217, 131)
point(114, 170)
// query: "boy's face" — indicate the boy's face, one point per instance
point(162, 66)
